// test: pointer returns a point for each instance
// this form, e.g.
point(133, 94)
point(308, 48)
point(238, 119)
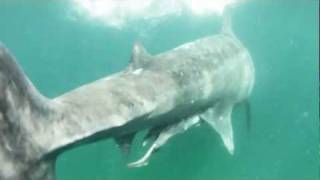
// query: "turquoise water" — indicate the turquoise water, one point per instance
point(59, 53)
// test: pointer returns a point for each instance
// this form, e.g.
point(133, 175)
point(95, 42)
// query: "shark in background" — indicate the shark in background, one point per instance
point(165, 93)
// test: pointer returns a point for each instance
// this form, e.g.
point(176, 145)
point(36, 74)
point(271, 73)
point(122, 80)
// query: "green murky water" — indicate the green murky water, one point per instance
point(60, 52)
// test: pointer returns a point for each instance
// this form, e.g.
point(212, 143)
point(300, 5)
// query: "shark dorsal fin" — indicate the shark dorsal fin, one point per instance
point(140, 56)
point(227, 24)
point(219, 117)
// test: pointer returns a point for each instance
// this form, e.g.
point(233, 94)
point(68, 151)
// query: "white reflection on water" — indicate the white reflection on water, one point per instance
point(117, 13)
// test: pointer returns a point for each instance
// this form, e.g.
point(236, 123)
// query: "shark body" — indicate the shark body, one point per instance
point(165, 93)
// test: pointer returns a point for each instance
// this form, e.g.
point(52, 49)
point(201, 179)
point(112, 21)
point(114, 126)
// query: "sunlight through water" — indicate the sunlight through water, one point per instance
point(117, 13)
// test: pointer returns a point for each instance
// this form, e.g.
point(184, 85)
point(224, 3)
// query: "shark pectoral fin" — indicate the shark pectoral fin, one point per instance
point(164, 136)
point(161, 140)
point(139, 56)
point(144, 160)
point(219, 117)
point(153, 134)
point(124, 142)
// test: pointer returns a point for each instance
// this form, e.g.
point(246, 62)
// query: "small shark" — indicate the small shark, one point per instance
point(165, 93)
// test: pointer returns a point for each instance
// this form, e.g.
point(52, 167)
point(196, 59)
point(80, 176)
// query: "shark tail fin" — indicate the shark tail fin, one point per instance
point(15, 88)
point(19, 102)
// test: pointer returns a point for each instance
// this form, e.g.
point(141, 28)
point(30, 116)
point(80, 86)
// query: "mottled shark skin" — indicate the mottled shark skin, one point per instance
point(165, 93)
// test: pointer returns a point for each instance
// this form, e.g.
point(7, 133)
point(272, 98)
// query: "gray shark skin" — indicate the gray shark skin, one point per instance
point(165, 93)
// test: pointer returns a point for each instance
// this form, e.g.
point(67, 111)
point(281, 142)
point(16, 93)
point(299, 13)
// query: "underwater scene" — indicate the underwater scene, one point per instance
point(272, 89)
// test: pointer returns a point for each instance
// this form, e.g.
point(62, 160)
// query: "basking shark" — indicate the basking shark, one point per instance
point(165, 94)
